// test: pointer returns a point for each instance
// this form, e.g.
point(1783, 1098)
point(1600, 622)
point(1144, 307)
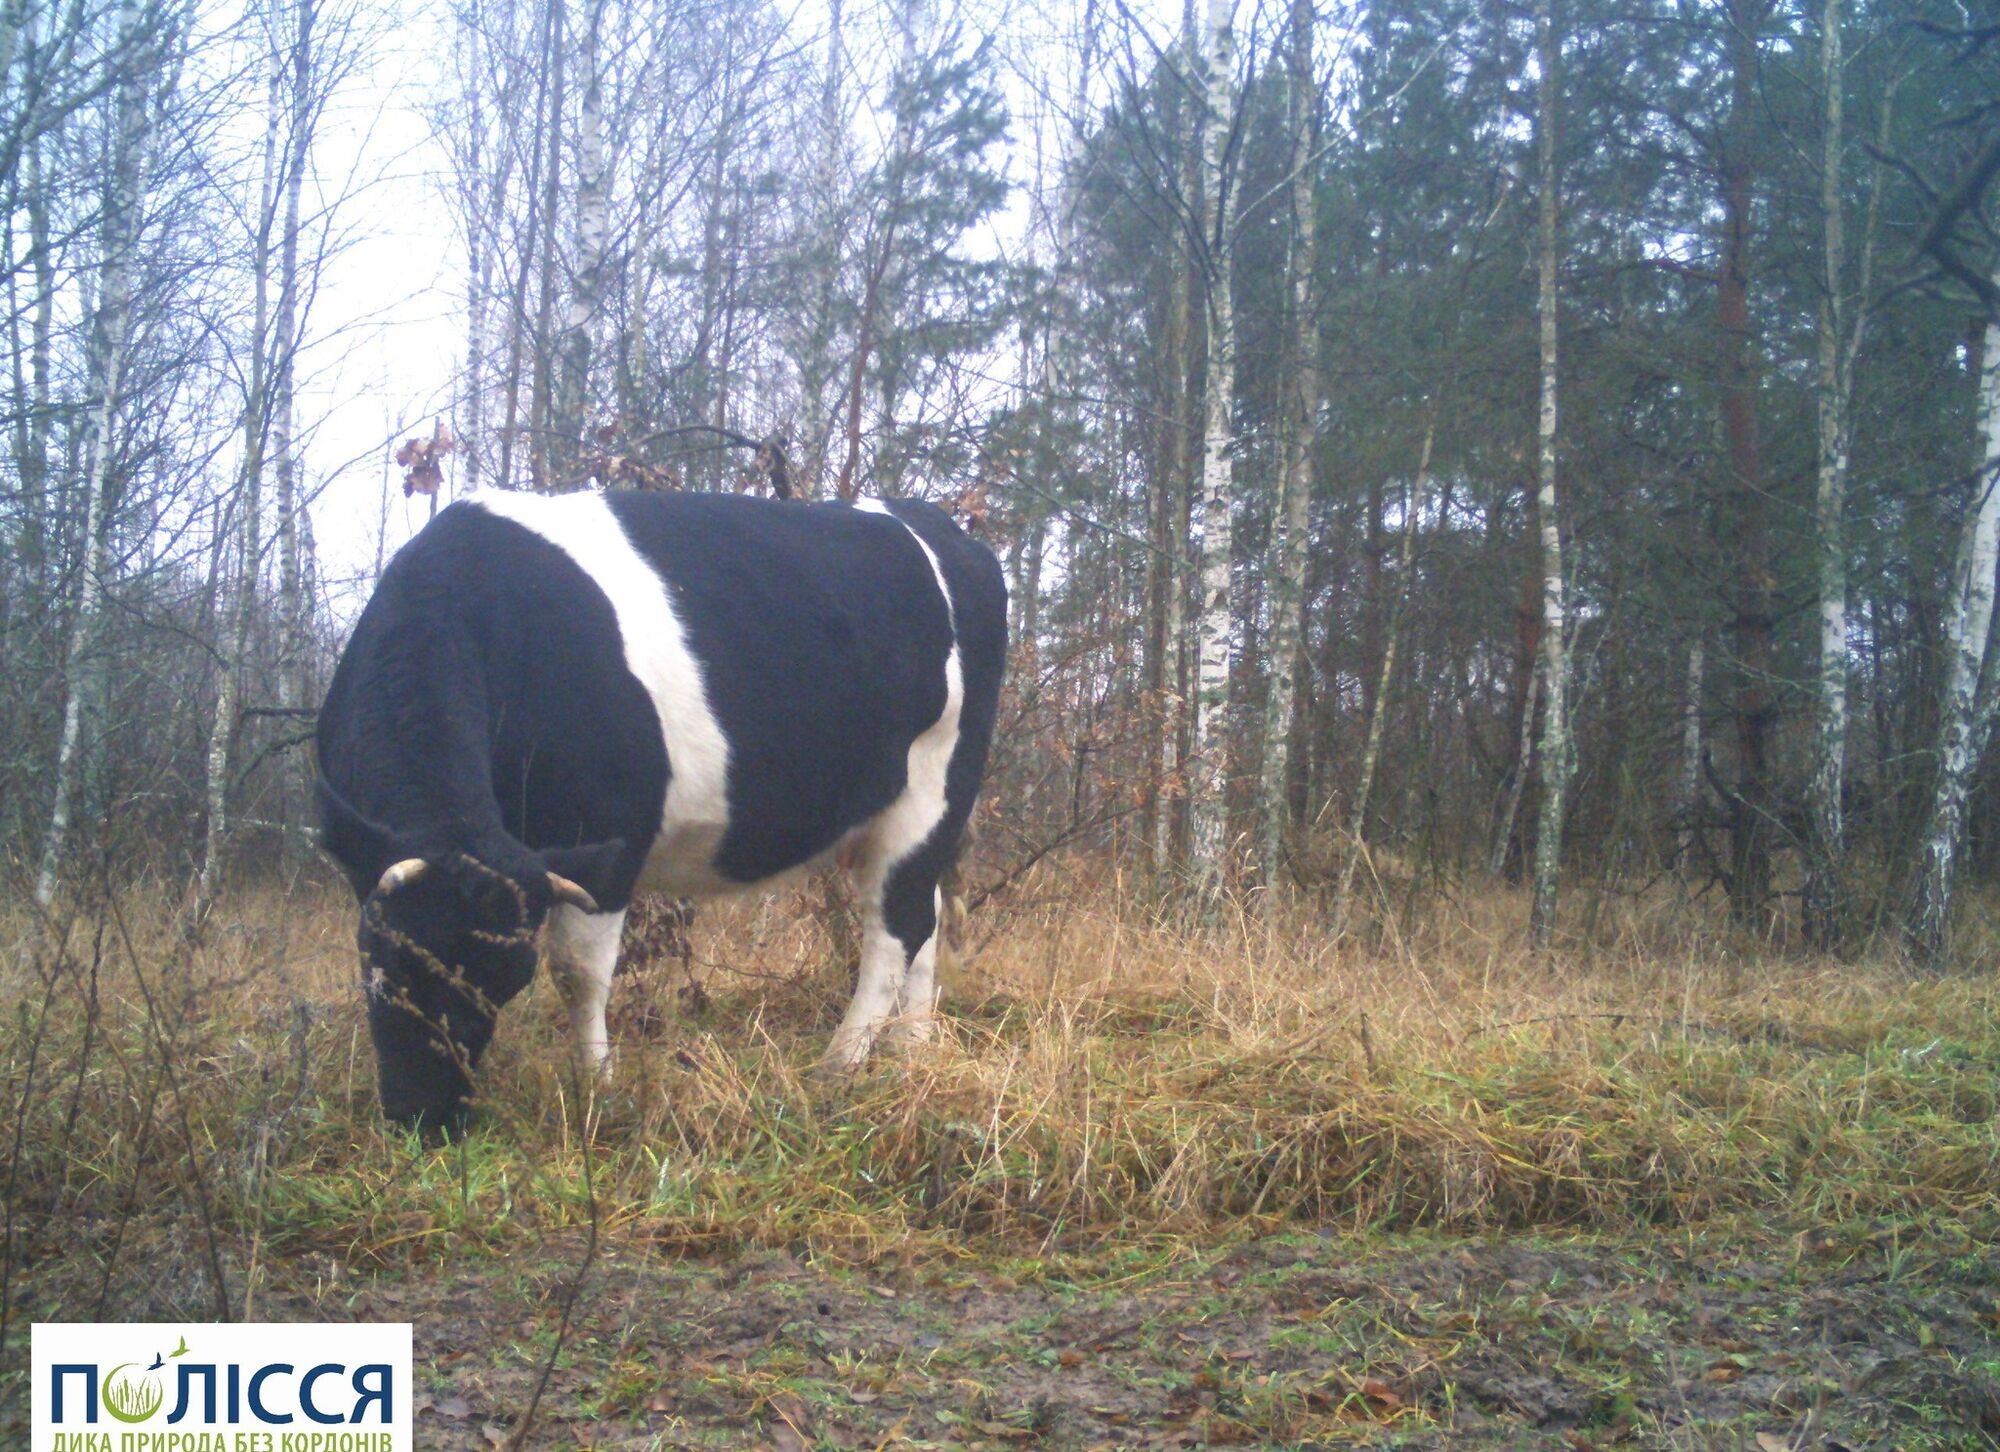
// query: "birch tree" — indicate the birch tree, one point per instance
point(145, 40)
point(593, 225)
point(1287, 569)
point(249, 502)
point(1965, 714)
point(1556, 747)
point(1207, 801)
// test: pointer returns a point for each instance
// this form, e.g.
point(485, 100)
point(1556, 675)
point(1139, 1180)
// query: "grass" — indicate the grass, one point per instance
point(1114, 1103)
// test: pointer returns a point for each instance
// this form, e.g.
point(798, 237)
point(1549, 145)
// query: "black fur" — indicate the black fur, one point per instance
point(482, 718)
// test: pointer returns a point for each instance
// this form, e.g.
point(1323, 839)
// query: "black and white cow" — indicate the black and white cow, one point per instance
point(553, 703)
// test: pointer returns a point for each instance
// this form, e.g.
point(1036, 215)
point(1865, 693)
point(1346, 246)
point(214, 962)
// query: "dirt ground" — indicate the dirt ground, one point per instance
point(1868, 1338)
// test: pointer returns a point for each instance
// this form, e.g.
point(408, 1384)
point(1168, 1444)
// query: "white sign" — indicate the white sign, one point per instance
point(135, 1386)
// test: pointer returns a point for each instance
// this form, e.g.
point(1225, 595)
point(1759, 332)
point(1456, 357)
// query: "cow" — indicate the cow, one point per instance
point(552, 703)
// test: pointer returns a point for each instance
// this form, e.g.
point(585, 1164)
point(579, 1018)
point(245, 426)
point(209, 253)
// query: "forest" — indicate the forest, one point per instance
point(1498, 500)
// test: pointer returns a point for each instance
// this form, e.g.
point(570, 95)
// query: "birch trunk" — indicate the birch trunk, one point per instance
point(1963, 723)
point(547, 122)
point(257, 421)
point(478, 259)
point(569, 425)
point(1170, 820)
point(1842, 322)
point(1687, 796)
point(1555, 745)
point(1826, 847)
point(292, 608)
point(1287, 573)
point(541, 421)
point(33, 451)
point(1208, 793)
point(110, 332)
point(815, 367)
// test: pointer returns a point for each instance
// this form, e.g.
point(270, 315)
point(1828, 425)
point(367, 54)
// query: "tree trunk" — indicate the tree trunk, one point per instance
point(1820, 896)
point(1371, 753)
point(1292, 519)
point(257, 423)
point(1755, 589)
point(1964, 715)
point(543, 458)
point(547, 123)
point(1687, 794)
point(294, 610)
point(110, 331)
point(815, 367)
point(1207, 797)
point(570, 424)
point(1555, 745)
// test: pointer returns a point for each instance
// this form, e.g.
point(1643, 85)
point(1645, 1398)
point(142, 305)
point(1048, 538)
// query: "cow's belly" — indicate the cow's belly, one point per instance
point(682, 862)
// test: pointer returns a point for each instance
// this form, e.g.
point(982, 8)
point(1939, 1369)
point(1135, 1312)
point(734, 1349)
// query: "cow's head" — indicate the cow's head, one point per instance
point(447, 938)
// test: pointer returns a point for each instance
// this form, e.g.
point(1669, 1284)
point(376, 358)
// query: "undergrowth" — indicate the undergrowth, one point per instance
point(1101, 1079)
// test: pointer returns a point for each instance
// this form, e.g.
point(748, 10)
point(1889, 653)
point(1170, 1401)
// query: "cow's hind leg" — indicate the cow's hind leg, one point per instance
point(583, 953)
point(897, 983)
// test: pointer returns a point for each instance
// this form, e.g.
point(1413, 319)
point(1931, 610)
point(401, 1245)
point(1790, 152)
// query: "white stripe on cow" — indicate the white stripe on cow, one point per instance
point(895, 986)
point(910, 819)
point(696, 812)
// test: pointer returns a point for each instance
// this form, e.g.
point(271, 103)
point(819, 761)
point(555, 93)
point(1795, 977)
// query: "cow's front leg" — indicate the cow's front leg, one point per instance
point(899, 928)
point(583, 952)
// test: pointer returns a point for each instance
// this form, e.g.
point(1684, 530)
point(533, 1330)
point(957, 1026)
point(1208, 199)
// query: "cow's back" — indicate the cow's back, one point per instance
point(728, 685)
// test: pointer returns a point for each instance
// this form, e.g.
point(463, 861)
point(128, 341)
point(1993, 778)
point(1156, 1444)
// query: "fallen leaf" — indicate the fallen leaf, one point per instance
point(455, 1407)
point(496, 1434)
point(1772, 1442)
point(1380, 1393)
point(1069, 1356)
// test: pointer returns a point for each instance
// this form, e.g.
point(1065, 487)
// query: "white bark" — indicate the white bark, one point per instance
point(110, 333)
point(1962, 722)
point(1170, 818)
point(825, 251)
point(292, 607)
point(257, 420)
point(1555, 745)
point(1207, 803)
point(1687, 795)
point(1287, 572)
point(593, 226)
point(1827, 833)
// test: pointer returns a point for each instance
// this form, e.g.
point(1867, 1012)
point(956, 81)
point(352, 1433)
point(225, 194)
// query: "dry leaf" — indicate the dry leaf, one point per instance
point(1380, 1393)
point(456, 1407)
point(1772, 1442)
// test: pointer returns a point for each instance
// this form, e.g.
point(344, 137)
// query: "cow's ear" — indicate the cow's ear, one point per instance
point(357, 844)
point(594, 868)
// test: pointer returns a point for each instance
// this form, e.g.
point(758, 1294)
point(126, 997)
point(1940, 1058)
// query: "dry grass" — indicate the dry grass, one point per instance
point(1100, 1079)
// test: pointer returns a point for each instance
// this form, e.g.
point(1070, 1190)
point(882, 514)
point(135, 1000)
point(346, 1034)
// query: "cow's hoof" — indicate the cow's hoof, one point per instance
point(909, 1034)
point(840, 1064)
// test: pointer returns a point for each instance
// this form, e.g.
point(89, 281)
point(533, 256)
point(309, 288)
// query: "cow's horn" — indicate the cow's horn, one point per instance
point(571, 893)
point(409, 870)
